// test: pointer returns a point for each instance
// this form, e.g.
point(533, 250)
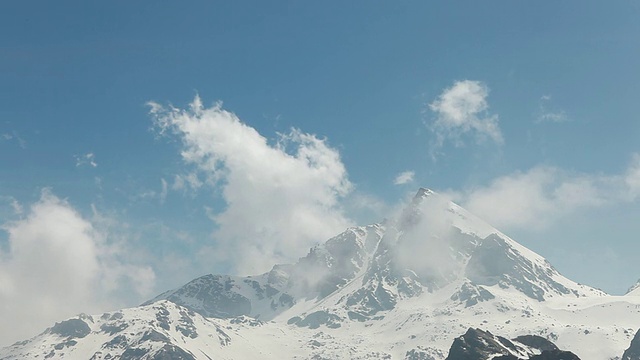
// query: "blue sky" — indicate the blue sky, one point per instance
point(525, 113)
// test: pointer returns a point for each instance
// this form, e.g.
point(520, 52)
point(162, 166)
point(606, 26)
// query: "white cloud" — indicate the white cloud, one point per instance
point(545, 194)
point(462, 110)
point(545, 114)
point(86, 159)
point(429, 235)
point(281, 198)
point(404, 178)
point(58, 264)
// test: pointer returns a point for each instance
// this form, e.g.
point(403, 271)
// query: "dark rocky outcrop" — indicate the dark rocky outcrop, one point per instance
point(315, 319)
point(477, 344)
point(536, 342)
point(555, 355)
point(73, 328)
point(633, 352)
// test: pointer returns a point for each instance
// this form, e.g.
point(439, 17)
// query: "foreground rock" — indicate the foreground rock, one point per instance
point(477, 344)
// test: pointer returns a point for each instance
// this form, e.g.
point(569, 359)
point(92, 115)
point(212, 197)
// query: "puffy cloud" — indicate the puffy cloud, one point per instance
point(58, 264)
point(280, 198)
point(86, 159)
point(544, 194)
point(462, 110)
point(404, 178)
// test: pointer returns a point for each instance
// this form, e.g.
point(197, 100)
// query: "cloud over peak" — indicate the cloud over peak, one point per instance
point(280, 198)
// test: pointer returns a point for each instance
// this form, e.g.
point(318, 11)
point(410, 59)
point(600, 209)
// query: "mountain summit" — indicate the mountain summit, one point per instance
point(404, 289)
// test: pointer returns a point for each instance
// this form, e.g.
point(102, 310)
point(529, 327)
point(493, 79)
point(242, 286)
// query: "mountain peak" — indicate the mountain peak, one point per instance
point(404, 289)
point(635, 289)
point(422, 194)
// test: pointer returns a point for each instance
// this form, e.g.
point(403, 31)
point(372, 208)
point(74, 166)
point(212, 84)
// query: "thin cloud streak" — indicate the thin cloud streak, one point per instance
point(544, 194)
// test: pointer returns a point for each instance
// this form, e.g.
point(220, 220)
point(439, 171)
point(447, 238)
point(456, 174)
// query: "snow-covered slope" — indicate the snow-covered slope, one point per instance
point(326, 268)
point(403, 290)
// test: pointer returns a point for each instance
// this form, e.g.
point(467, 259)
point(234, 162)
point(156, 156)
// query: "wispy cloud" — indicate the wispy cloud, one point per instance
point(546, 113)
point(13, 203)
point(13, 136)
point(281, 198)
point(76, 267)
point(163, 191)
point(404, 177)
point(462, 111)
point(88, 159)
point(189, 181)
point(544, 194)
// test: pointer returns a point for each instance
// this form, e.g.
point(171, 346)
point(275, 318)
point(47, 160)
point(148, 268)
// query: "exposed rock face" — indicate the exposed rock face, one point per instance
point(325, 269)
point(555, 355)
point(477, 344)
point(495, 261)
point(536, 342)
point(316, 319)
point(72, 328)
point(470, 294)
point(633, 352)
point(215, 296)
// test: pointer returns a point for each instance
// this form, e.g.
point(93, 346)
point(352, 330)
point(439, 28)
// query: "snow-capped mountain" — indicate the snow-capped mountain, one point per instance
point(405, 289)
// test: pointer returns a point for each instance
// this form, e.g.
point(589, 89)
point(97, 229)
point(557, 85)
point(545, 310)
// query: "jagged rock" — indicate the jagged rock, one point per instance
point(470, 294)
point(555, 355)
point(477, 344)
point(633, 352)
point(536, 342)
point(73, 328)
point(315, 319)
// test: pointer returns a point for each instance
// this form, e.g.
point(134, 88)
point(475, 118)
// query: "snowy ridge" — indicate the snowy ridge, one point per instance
point(405, 290)
point(634, 290)
point(326, 268)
